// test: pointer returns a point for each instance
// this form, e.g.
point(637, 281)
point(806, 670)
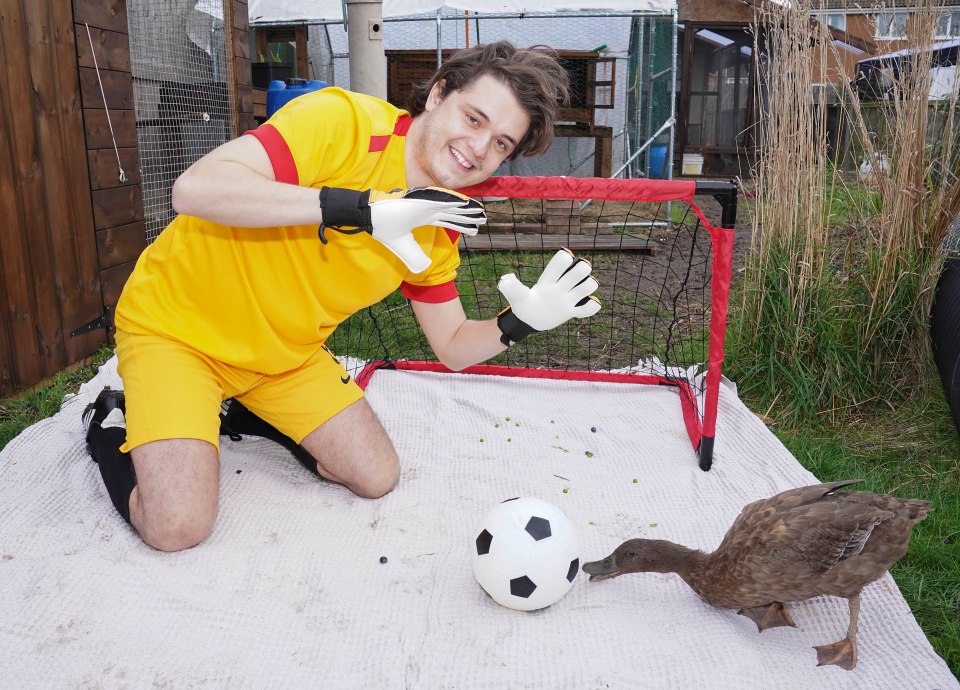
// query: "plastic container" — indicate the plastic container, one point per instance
point(279, 93)
point(657, 167)
point(692, 164)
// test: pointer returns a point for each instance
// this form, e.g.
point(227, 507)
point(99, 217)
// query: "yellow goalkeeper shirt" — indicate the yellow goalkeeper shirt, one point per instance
point(264, 299)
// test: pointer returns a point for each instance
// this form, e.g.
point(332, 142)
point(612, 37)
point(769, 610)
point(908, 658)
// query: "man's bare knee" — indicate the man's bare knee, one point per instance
point(379, 484)
point(175, 532)
point(174, 504)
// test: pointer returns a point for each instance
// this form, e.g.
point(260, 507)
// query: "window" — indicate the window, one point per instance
point(838, 20)
point(948, 26)
point(892, 24)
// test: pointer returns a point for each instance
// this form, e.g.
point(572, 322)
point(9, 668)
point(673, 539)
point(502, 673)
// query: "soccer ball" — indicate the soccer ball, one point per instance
point(526, 554)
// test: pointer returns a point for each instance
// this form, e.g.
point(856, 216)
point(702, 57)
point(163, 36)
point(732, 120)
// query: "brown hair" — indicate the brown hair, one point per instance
point(533, 74)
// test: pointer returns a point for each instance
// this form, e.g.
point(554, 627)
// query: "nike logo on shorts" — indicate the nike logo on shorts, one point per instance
point(345, 379)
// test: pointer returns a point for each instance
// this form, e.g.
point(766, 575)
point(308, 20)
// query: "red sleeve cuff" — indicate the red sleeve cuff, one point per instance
point(432, 294)
point(284, 167)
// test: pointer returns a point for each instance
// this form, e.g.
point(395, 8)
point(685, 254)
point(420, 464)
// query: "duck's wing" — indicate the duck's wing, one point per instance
point(818, 536)
point(760, 518)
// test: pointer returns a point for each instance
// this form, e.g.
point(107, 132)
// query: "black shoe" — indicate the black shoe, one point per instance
point(229, 409)
point(105, 412)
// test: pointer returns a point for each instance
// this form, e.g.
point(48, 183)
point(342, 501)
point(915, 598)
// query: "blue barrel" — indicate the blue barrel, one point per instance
point(279, 93)
point(657, 168)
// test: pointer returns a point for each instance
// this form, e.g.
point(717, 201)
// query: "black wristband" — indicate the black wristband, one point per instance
point(346, 207)
point(513, 329)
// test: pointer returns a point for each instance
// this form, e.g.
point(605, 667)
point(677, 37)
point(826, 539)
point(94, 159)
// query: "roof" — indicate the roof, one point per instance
point(305, 11)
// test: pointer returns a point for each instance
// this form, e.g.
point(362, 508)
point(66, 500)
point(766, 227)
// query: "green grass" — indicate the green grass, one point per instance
point(22, 410)
point(912, 451)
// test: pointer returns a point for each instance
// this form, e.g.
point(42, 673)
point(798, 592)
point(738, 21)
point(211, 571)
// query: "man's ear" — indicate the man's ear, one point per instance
point(436, 94)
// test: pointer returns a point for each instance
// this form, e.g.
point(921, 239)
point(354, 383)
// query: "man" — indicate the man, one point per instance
point(238, 295)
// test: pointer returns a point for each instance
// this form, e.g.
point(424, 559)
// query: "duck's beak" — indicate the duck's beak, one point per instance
point(602, 570)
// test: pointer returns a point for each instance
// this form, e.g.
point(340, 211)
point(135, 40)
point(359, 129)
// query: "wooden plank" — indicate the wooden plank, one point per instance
point(241, 15)
point(117, 88)
point(103, 14)
point(113, 280)
point(117, 206)
point(245, 99)
point(602, 157)
point(576, 243)
point(72, 296)
point(112, 48)
point(303, 58)
point(104, 172)
point(260, 104)
point(46, 156)
point(78, 285)
point(121, 244)
point(230, 53)
point(18, 202)
point(97, 128)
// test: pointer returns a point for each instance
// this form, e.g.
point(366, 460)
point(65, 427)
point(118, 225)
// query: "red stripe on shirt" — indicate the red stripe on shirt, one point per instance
point(403, 124)
point(284, 167)
point(432, 294)
point(379, 143)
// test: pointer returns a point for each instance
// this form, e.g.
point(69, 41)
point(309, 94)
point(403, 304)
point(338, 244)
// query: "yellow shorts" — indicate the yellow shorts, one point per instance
point(173, 391)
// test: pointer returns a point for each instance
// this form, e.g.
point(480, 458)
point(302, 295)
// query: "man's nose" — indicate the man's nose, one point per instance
point(479, 144)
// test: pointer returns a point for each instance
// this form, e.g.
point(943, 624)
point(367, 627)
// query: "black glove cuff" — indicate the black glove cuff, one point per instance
point(346, 207)
point(514, 330)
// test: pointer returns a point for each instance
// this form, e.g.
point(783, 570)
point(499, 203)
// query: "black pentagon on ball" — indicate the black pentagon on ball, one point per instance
point(484, 540)
point(522, 587)
point(573, 570)
point(538, 528)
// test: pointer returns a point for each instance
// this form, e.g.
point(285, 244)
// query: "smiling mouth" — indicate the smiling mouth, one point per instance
point(460, 159)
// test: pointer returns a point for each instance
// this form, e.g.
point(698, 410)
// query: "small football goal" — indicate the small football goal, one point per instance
point(664, 272)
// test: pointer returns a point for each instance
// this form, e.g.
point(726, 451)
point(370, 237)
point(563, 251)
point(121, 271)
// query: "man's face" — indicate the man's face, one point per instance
point(461, 140)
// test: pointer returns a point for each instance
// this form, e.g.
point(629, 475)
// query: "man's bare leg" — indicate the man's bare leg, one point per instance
point(174, 503)
point(352, 448)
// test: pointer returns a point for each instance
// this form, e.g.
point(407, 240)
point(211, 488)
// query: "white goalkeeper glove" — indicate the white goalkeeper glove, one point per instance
point(390, 217)
point(563, 291)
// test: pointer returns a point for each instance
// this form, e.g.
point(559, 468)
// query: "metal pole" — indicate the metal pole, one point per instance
point(368, 64)
point(651, 67)
point(641, 91)
point(439, 39)
point(673, 100)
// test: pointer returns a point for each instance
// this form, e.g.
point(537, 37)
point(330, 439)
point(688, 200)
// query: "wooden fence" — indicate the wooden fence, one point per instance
point(72, 227)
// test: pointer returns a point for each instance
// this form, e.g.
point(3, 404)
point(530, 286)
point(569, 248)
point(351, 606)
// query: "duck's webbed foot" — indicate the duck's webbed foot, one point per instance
point(773, 615)
point(842, 654)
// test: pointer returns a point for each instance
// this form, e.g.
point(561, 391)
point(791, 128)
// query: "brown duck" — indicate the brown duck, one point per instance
point(796, 545)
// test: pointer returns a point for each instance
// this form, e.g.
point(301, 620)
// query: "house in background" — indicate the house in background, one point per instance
point(717, 110)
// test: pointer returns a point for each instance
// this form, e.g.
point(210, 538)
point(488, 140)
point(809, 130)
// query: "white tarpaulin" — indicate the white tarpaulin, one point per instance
point(273, 11)
point(304, 585)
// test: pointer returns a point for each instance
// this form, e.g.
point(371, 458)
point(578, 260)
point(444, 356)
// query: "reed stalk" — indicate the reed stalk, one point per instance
point(834, 318)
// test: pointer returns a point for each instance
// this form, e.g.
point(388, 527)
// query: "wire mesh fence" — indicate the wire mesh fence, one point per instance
point(621, 68)
point(628, 89)
point(183, 109)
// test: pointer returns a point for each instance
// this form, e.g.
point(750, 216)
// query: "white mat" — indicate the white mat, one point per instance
point(289, 591)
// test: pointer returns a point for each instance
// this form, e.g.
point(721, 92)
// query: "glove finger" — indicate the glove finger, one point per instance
point(466, 229)
point(584, 289)
point(588, 308)
point(441, 194)
point(560, 262)
point(454, 216)
point(574, 275)
point(409, 252)
point(511, 288)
